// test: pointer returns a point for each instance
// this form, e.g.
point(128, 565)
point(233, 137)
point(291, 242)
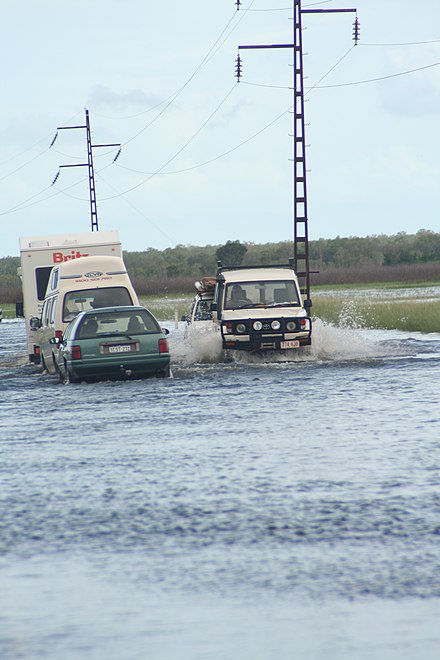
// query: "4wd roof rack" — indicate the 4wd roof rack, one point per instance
point(221, 268)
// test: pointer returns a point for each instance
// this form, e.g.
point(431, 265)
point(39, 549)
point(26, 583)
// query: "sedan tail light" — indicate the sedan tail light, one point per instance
point(163, 346)
point(76, 352)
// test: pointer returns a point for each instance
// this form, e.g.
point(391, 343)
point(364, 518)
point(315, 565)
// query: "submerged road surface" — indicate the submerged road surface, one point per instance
point(246, 510)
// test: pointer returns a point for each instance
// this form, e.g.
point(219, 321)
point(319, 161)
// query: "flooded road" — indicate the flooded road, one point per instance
point(242, 510)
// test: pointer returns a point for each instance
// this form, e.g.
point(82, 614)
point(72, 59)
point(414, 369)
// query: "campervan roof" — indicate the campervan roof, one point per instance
point(102, 266)
point(65, 241)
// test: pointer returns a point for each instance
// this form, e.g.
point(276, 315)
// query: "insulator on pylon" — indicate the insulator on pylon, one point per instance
point(238, 68)
point(53, 141)
point(356, 25)
point(56, 177)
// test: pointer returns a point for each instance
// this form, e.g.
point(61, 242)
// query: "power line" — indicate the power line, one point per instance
point(179, 151)
point(206, 58)
point(313, 4)
point(407, 43)
point(363, 82)
point(44, 139)
point(24, 164)
point(127, 201)
point(252, 137)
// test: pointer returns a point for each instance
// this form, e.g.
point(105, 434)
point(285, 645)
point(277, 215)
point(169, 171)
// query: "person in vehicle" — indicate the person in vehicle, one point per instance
point(89, 329)
point(70, 311)
point(135, 325)
point(238, 297)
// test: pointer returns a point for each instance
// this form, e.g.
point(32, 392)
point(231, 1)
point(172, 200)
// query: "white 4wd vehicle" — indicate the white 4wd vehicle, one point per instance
point(200, 316)
point(260, 308)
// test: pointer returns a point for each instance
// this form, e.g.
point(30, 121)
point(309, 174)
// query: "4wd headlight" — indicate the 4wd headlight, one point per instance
point(257, 326)
point(240, 327)
point(290, 326)
point(275, 325)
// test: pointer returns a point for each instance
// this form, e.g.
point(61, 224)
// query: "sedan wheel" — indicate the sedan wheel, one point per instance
point(70, 378)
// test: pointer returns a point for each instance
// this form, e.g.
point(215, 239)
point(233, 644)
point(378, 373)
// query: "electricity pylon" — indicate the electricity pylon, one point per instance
point(301, 232)
point(89, 165)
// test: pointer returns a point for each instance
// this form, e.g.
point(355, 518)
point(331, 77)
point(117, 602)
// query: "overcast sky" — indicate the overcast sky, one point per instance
point(204, 159)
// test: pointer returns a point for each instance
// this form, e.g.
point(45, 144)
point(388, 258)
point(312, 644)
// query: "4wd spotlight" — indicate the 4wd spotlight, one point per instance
point(241, 328)
point(275, 325)
point(290, 326)
point(257, 325)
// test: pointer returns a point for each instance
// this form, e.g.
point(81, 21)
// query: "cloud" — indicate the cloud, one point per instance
point(135, 99)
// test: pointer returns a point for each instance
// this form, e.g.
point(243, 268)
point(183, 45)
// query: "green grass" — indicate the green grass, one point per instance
point(169, 307)
point(409, 315)
point(8, 310)
point(373, 285)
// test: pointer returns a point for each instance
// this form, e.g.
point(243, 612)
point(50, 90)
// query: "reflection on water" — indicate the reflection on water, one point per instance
point(259, 508)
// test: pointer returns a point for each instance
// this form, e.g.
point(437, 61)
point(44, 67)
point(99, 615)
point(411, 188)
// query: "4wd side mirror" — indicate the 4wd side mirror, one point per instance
point(34, 323)
point(307, 305)
point(165, 331)
point(213, 307)
point(55, 340)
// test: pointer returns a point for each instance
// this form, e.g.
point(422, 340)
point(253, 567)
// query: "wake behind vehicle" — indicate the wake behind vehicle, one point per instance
point(260, 308)
point(112, 343)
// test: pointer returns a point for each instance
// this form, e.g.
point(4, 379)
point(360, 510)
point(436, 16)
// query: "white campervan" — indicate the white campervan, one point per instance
point(39, 254)
point(76, 286)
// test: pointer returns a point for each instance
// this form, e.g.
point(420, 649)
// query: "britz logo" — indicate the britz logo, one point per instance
point(95, 273)
point(59, 257)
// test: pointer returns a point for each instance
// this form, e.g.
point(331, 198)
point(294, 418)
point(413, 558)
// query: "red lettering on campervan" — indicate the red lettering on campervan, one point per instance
point(59, 257)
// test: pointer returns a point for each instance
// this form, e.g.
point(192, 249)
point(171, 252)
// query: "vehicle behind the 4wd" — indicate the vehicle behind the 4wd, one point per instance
point(260, 308)
point(200, 316)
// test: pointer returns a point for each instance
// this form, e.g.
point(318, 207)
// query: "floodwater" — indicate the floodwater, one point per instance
point(241, 510)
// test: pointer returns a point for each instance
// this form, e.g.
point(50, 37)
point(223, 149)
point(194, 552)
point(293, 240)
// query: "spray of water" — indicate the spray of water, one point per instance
point(329, 343)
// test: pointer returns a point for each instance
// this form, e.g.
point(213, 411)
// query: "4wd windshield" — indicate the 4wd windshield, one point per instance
point(275, 293)
point(128, 323)
point(80, 301)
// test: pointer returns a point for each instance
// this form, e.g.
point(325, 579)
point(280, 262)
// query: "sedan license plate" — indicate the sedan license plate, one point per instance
point(290, 343)
point(116, 349)
point(124, 348)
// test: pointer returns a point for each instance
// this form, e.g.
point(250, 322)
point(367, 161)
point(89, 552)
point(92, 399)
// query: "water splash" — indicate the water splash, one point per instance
point(329, 343)
point(196, 345)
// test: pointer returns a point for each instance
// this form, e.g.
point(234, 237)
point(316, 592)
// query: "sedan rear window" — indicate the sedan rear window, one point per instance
point(127, 323)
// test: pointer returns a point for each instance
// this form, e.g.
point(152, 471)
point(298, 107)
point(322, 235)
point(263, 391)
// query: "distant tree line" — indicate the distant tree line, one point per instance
point(401, 257)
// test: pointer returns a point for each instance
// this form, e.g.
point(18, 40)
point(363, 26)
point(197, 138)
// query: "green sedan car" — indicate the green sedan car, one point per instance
point(112, 343)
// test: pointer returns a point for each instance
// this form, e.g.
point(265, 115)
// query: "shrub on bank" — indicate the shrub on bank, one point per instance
point(10, 294)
